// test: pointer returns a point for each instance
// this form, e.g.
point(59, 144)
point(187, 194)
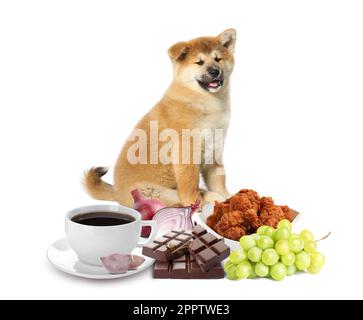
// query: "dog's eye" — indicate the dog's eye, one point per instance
point(216, 59)
point(200, 62)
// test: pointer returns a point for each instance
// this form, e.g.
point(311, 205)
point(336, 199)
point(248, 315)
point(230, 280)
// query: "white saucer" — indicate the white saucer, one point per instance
point(62, 257)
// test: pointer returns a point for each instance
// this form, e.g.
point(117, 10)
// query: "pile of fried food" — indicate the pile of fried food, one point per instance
point(244, 213)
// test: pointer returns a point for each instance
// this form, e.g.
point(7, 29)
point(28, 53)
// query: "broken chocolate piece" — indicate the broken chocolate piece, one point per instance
point(185, 267)
point(207, 249)
point(170, 246)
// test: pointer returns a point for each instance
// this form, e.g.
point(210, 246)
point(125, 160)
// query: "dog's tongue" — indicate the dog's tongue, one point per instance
point(213, 84)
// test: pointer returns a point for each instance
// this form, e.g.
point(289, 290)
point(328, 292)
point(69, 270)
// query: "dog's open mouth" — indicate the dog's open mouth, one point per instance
point(211, 85)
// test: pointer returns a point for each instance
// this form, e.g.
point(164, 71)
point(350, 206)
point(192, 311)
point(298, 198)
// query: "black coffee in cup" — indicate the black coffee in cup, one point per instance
point(103, 219)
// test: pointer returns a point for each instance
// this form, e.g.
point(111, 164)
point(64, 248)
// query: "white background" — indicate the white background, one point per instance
point(75, 76)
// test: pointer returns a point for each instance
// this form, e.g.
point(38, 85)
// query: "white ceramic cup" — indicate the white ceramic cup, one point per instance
point(93, 242)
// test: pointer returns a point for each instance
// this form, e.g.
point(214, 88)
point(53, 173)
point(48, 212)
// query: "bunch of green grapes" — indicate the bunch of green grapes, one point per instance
point(274, 253)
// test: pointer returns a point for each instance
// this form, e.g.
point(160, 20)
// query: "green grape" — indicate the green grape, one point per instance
point(314, 269)
point(317, 260)
point(254, 254)
point(288, 259)
point(290, 270)
point(310, 246)
point(270, 257)
point(247, 242)
point(227, 265)
point(294, 236)
point(296, 244)
point(253, 274)
point(284, 224)
point(238, 256)
point(278, 271)
point(282, 247)
point(261, 230)
point(306, 235)
point(255, 236)
point(282, 234)
point(265, 242)
point(302, 260)
point(243, 270)
point(261, 269)
point(231, 273)
point(269, 231)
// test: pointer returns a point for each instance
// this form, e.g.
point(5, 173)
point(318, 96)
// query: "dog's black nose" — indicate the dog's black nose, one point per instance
point(213, 72)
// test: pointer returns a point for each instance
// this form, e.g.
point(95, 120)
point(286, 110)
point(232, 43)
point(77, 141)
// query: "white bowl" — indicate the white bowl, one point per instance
point(201, 219)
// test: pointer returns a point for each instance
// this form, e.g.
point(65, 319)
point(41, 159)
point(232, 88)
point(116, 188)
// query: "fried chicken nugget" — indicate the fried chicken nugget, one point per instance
point(251, 221)
point(236, 224)
point(244, 200)
point(270, 214)
point(244, 213)
point(230, 219)
point(266, 202)
point(253, 195)
point(287, 212)
point(219, 209)
point(230, 225)
point(234, 233)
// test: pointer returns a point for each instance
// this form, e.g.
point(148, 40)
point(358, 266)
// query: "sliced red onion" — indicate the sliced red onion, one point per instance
point(136, 261)
point(147, 208)
point(116, 263)
point(121, 263)
point(175, 218)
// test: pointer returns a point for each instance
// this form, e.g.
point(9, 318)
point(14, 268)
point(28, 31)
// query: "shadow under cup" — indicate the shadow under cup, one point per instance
point(91, 242)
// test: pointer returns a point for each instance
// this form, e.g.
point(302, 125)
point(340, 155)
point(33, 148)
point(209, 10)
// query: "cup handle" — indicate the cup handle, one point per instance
point(154, 230)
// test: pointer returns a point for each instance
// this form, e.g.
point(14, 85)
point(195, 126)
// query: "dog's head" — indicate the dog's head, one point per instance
point(204, 63)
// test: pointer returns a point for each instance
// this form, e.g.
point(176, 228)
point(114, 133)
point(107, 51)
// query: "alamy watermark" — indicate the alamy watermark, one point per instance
point(168, 146)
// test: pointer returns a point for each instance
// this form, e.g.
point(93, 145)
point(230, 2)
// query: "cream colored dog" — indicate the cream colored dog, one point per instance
point(197, 99)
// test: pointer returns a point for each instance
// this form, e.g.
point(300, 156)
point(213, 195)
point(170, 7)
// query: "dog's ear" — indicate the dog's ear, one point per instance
point(178, 51)
point(228, 39)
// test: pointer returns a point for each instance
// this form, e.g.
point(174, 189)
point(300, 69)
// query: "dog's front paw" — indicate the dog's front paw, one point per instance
point(211, 197)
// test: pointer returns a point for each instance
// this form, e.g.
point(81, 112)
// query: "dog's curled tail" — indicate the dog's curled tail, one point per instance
point(95, 186)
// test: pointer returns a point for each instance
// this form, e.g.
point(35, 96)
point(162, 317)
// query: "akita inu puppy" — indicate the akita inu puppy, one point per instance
point(197, 100)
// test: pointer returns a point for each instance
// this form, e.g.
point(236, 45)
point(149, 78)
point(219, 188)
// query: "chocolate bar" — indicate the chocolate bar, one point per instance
point(170, 246)
point(207, 249)
point(185, 267)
